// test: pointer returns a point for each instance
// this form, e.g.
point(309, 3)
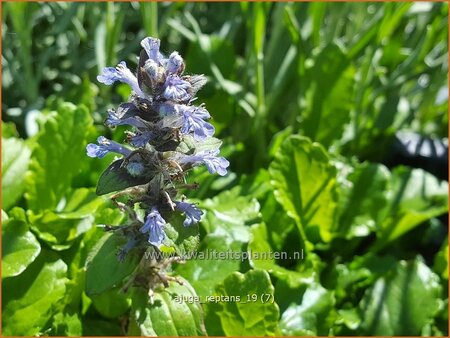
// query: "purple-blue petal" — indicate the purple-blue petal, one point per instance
point(93, 150)
point(108, 76)
point(176, 89)
point(192, 213)
point(114, 120)
point(209, 158)
point(175, 63)
point(151, 46)
point(120, 73)
point(105, 146)
point(153, 225)
point(194, 121)
point(216, 164)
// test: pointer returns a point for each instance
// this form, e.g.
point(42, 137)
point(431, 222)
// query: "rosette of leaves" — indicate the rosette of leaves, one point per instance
point(169, 135)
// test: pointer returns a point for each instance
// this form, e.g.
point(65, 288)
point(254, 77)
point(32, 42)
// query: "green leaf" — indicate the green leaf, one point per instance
point(76, 256)
point(28, 299)
point(305, 185)
point(112, 303)
point(83, 202)
point(15, 159)
point(278, 139)
point(116, 178)
point(66, 324)
point(260, 249)
point(282, 233)
point(330, 95)
point(417, 189)
point(57, 156)
point(204, 274)
point(9, 130)
point(98, 327)
point(72, 309)
point(248, 307)
point(230, 210)
point(220, 50)
point(392, 20)
point(362, 272)
point(4, 216)
point(350, 318)
point(19, 247)
point(416, 197)
point(103, 270)
point(401, 303)
point(67, 318)
point(60, 229)
point(365, 193)
point(310, 317)
point(174, 311)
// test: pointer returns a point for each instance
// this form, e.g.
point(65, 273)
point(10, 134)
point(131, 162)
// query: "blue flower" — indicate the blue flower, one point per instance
point(175, 64)
point(121, 73)
point(215, 164)
point(105, 146)
point(176, 89)
point(115, 119)
point(154, 227)
point(192, 213)
point(209, 158)
point(151, 46)
point(194, 121)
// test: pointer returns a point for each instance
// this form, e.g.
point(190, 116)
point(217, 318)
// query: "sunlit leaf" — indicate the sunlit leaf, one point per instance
point(305, 186)
point(174, 311)
point(248, 307)
point(103, 269)
point(308, 317)
point(61, 146)
point(15, 159)
point(401, 303)
point(19, 247)
point(28, 299)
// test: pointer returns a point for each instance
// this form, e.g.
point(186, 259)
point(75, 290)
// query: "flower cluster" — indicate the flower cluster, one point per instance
point(169, 136)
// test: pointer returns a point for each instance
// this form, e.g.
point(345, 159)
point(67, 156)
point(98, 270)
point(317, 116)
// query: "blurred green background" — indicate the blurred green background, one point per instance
point(302, 94)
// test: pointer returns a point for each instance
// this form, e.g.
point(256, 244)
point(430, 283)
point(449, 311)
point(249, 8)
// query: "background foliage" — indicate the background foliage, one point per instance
point(306, 97)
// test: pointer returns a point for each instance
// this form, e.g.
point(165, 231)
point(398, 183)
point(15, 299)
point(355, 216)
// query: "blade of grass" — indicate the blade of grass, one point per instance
point(149, 13)
point(100, 42)
point(317, 11)
point(114, 23)
point(260, 124)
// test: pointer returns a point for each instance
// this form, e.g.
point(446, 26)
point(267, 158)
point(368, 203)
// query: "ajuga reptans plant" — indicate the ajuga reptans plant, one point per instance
point(169, 135)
